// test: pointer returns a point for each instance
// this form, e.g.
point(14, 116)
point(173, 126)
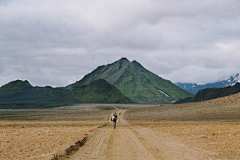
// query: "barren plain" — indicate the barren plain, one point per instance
point(203, 130)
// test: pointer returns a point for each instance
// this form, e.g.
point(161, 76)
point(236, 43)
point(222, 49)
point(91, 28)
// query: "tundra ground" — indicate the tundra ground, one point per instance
point(204, 130)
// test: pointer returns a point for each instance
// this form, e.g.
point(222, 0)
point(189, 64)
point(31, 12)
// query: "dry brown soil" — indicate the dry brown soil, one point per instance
point(40, 140)
point(221, 138)
point(130, 141)
point(43, 133)
point(204, 130)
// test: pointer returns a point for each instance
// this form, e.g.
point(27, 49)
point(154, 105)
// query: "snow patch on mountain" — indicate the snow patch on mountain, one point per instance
point(163, 93)
point(195, 87)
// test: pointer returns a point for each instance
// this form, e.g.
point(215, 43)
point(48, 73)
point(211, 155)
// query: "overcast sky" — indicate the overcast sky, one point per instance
point(57, 42)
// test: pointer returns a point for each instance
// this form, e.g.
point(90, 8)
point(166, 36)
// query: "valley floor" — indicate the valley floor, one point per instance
point(43, 134)
point(161, 140)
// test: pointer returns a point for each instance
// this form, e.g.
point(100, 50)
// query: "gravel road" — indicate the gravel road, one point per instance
point(134, 142)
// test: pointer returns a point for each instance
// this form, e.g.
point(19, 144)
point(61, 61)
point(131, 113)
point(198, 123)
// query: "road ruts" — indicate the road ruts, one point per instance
point(132, 142)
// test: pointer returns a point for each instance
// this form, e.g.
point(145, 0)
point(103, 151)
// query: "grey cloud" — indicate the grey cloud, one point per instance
point(58, 42)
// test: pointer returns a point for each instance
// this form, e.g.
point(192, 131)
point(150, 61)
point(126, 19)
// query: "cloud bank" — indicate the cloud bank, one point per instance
point(57, 42)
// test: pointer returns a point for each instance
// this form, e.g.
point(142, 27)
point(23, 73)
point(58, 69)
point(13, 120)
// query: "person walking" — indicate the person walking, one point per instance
point(114, 119)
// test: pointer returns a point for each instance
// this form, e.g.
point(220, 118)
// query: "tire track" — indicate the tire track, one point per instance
point(133, 142)
point(162, 148)
point(96, 146)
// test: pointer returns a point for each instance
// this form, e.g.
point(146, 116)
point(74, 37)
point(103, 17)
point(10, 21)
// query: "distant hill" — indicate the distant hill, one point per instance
point(212, 93)
point(21, 94)
point(18, 84)
point(194, 87)
point(136, 82)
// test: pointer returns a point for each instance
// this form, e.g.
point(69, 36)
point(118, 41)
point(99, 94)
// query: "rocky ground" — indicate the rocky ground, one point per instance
point(203, 130)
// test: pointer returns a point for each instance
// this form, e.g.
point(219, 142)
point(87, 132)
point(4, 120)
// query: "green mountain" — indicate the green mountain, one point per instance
point(21, 94)
point(212, 93)
point(136, 82)
point(18, 84)
point(98, 91)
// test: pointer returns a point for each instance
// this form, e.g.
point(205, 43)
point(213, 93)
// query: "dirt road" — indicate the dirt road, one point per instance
point(133, 142)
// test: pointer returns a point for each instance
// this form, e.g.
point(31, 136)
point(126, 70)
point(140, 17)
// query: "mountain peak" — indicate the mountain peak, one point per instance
point(17, 84)
point(124, 59)
point(136, 82)
point(235, 78)
point(135, 62)
point(121, 63)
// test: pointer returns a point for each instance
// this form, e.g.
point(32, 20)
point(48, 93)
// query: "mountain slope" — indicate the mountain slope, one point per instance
point(194, 87)
point(23, 94)
point(136, 82)
point(22, 91)
point(18, 84)
point(213, 93)
point(98, 91)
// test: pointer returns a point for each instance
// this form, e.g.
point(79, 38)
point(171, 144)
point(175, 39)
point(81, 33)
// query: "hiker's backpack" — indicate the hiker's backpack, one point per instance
point(113, 117)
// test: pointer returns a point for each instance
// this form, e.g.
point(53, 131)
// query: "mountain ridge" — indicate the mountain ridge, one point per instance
point(124, 82)
point(17, 84)
point(212, 93)
point(194, 87)
point(21, 94)
point(136, 82)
